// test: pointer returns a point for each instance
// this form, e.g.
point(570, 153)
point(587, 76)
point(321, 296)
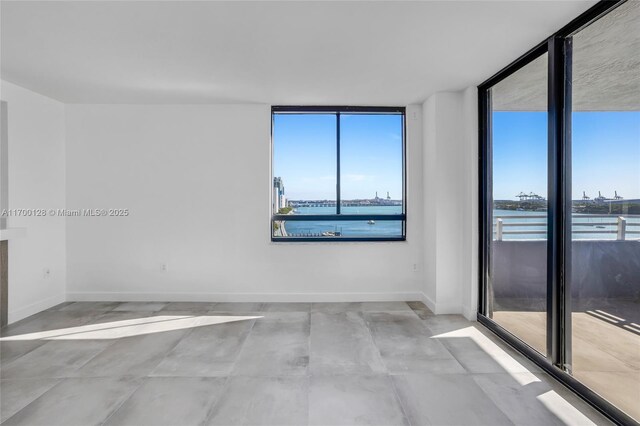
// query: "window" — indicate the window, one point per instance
point(338, 174)
point(560, 206)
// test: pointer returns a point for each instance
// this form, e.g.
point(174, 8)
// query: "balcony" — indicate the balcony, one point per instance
point(605, 295)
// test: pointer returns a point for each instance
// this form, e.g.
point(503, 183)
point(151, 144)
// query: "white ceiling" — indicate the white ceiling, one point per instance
point(295, 52)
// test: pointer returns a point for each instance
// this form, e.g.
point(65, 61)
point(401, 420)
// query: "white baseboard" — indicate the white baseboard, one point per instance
point(470, 314)
point(39, 306)
point(437, 308)
point(242, 297)
point(447, 308)
point(430, 303)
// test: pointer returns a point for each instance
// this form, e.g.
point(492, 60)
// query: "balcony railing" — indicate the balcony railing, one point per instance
point(583, 226)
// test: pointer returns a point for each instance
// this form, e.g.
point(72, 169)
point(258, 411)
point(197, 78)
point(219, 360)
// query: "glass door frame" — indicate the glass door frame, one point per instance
point(557, 361)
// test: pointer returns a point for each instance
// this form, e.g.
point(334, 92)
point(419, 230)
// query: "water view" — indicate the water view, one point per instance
point(379, 228)
point(356, 157)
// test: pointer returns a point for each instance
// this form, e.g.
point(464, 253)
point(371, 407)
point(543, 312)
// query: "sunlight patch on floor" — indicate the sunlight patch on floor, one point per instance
point(565, 412)
point(128, 328)
point(502, 358)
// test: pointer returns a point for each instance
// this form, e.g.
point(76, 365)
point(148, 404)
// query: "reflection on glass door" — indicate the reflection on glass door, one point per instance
point(582, 309)
point(605, 274)
point(517, 289)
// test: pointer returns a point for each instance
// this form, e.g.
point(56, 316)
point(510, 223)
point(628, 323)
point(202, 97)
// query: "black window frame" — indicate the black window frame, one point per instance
point(338, 110)
point(557, 361)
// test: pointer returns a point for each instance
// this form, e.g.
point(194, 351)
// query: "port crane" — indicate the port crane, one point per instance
point(529, 197)
point(600, 198)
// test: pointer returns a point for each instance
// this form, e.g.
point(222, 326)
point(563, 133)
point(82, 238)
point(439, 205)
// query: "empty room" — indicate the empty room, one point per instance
point(325, 212)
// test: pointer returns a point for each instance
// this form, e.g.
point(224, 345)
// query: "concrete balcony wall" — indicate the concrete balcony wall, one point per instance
point(600, 269)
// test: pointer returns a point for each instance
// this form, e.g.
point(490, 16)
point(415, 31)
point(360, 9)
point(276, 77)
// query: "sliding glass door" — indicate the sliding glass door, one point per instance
point(605, 243)
point(517, 297)
point(560, 206)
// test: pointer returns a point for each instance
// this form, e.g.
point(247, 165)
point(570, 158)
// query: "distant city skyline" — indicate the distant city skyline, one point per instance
point(304, 155)
point(605, 150)
point(344, 199)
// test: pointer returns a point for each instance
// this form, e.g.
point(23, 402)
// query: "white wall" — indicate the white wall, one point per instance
point(36, 133)
point(197, 182)
point(450, 185)
point(470, 237)
point(430, 188)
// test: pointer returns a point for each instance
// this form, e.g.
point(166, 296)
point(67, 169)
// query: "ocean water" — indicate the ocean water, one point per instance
point(597, 227)
point(381, 228)
point(511, 217)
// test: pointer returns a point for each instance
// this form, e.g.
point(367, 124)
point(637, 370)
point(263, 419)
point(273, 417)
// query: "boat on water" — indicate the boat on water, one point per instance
point(371, 222)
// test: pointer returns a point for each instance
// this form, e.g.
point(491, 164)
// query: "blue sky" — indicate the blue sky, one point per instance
point(606, 154)
point(605, 150)
point(304, 155)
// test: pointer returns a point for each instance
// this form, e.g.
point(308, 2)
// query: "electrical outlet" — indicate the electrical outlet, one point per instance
point(164, 267)
point(415, 267)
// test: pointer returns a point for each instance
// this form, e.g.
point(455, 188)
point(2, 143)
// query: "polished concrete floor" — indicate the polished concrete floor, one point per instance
point(606, 347)
point(387, 363)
